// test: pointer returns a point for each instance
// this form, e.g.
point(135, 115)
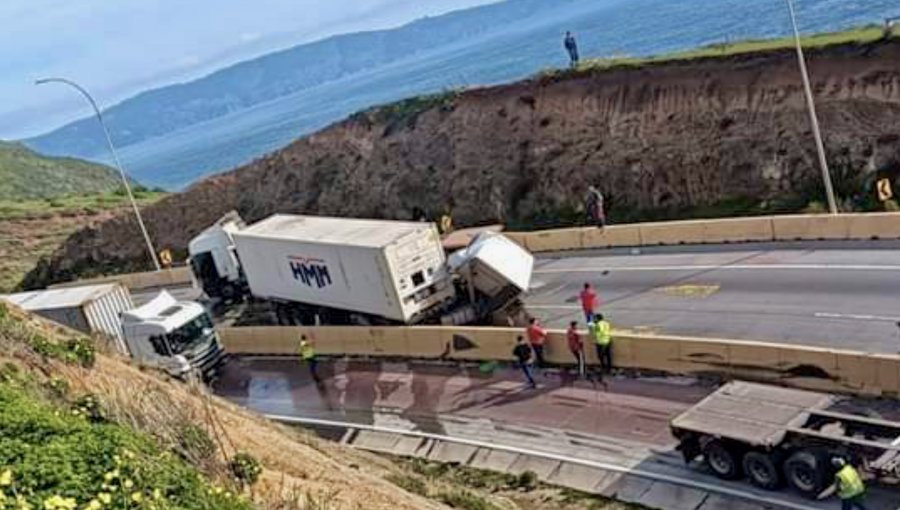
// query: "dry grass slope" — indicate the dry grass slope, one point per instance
point(300, 471)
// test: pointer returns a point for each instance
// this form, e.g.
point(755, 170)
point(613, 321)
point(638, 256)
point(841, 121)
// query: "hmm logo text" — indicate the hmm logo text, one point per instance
point(312, 272)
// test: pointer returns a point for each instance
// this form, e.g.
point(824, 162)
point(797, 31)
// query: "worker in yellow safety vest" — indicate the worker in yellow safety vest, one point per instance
point(601, 330)
point(848, 485)
point(446, 225)
point(308, 356)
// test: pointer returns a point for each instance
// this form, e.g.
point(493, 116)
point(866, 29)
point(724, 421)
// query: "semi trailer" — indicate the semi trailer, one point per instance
point(322, 270)
point(175, 336)
point(778, 437)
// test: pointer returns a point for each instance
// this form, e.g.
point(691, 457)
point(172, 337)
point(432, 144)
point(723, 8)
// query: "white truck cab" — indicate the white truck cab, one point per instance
point(214, 261)
point(176, 336)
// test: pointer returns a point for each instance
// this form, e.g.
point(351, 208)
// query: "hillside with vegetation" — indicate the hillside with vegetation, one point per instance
point(722, 131)
point(25, 174)
point(82, 428)
point(31, 229)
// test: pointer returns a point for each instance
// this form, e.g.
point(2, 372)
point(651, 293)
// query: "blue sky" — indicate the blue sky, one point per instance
point(116, 48)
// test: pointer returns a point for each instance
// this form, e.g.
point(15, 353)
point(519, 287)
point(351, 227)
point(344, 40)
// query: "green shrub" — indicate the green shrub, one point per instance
point(528, 480)
point(245, 468)
point(196, 443)
point(815, 207)
point(408, 483)
point(88, 406)
point(51, 459)
point(891, 206)
point(466, 500)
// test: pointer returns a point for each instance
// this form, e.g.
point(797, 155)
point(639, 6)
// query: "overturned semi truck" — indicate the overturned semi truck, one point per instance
point(323, 270)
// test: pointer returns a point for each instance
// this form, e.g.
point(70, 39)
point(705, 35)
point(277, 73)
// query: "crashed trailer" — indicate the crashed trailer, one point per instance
point(777, 436)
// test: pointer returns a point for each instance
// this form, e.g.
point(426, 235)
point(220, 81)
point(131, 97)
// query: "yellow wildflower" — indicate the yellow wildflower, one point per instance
point(157, 494)
point(137, 497)
point(104, 498)
point(218, 490)
point(129, 484)
point(6, 478)
point(94, 505)
point(22, 503)
point(58, 502)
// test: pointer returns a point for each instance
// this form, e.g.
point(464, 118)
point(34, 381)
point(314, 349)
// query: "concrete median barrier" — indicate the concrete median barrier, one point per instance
point(811, 227)
point(802, 227)
point(554, 240)
point(178, 276)
point(672, 232)
point(738, 230)
point(611, 237)
point(873, 226)
point(799, 366)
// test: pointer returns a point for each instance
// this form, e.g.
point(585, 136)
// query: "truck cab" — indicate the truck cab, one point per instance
point(176, 336)
point(214, 261)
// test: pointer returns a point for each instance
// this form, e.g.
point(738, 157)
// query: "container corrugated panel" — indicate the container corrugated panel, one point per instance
point(103, 314)
point(89, 309)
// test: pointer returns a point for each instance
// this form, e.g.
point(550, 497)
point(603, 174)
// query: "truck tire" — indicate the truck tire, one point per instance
point(806, 472)
point(763, 470)
point(723, 460)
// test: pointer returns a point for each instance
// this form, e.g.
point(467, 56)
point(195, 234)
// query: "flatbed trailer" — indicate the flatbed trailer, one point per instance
point(778, 436)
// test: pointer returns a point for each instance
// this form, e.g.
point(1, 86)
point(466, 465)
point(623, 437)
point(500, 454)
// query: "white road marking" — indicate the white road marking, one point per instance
point(827, 315)
point(723, 267)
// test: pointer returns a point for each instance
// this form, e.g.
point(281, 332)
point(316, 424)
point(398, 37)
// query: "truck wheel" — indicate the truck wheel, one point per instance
point(805, 472)
point(762, 470)
point(722, 460)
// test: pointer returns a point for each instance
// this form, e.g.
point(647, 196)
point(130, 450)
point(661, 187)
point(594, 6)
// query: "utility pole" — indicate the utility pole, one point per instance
point(813, 118)
point(115, 155)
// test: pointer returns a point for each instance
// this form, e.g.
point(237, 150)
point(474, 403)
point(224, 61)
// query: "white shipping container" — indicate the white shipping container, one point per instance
point(89, 309)
point(391, 269)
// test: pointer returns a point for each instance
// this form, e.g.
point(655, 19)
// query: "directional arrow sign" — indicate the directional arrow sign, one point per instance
point(885, 192)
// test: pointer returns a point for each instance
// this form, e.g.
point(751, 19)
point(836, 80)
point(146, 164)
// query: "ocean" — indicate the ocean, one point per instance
point(604, 28)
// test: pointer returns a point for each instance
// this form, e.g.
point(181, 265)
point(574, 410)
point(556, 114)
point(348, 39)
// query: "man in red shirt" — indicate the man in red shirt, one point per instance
point(589, 302)
point(575, 346)
point(537, 335)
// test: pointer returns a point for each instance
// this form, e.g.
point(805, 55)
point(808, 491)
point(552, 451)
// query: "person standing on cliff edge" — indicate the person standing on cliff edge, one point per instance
point(572, 47)
point(594, 207)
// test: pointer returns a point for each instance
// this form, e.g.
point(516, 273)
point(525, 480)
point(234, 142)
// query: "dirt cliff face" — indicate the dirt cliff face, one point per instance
point(656, 139)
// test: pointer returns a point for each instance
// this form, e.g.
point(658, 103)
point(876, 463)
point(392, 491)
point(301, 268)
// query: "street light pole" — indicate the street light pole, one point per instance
point(115, 155)
point(813, 118)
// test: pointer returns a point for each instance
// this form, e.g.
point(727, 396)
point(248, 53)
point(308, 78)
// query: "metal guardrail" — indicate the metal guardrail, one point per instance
point(605, 466)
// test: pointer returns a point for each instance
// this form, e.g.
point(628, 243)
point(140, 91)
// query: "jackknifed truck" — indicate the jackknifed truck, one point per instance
point(175, 336)
point(777, 436)
point(322, 270)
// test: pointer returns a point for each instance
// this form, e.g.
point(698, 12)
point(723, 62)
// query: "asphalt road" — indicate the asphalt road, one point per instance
point(839, 298)
point(621, 420)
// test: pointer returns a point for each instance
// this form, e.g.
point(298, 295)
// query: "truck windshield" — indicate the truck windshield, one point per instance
point(190, 335)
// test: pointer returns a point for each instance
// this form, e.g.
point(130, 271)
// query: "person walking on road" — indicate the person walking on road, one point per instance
point(589, 302)
point(576, 346)
point(848, 485)
point(572, 48)
point(602, 331)
point(525, 359)
point(308, 356)
point(537, 337)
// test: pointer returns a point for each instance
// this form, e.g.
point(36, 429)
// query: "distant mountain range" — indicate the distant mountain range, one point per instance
point(173, 135)
point(243, 85)
point(27, 174)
